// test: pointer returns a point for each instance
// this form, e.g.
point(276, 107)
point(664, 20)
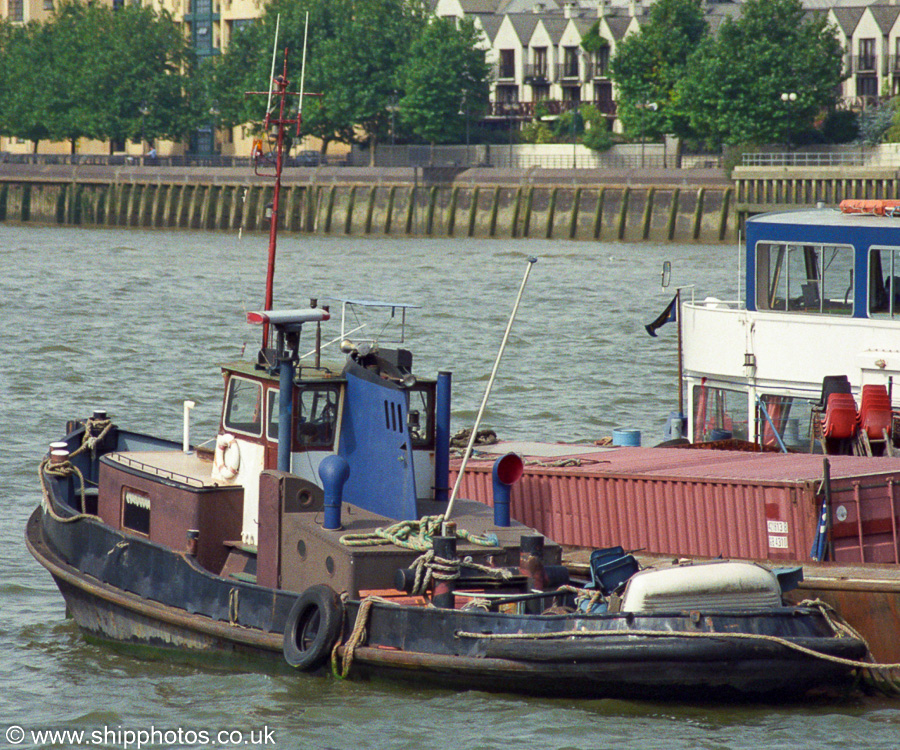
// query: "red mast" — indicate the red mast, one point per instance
point(280, 90)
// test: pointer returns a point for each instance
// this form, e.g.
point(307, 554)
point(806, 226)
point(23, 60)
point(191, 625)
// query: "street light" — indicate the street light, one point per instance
point(652, 106)
point(144, 110)
point(788, 97)
point(214, 114)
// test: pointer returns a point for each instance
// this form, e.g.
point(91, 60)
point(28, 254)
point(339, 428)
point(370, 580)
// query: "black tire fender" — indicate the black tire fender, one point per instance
point(312, 627)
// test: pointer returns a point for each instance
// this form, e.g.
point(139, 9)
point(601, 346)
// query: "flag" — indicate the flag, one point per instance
point(669, 315)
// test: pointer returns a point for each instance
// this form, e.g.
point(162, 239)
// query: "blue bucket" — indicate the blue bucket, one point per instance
point(626, 436)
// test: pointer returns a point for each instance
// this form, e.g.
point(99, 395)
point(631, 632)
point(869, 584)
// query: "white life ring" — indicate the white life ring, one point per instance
point(227, 458)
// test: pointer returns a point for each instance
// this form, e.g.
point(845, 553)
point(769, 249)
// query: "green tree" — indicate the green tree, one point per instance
point(445, 79)
point(735, 82)
point(247, 65)
point(25, 92)
point(87, 71)
point(649, 65)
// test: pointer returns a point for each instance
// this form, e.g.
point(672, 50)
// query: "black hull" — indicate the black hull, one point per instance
point(423, 645)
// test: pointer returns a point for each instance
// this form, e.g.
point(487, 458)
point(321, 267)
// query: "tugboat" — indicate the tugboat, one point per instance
point(318, 531)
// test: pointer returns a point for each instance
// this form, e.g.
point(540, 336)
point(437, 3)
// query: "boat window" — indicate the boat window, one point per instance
point(719, 414)
point(272, 412)
point(805, 278)
point(884, 282)
point(243, 407)
point(317, 417)
point(135, 511)
point(790, 417)
point(421, 415)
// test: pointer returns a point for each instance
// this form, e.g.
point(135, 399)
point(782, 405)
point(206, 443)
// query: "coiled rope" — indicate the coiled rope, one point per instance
point(415, 535)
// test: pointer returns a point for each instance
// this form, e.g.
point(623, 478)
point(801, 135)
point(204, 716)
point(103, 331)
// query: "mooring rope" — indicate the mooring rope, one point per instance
point(66, 468)
point(415, 535)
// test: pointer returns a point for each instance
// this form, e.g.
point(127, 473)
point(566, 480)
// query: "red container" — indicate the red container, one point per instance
point(701, 502)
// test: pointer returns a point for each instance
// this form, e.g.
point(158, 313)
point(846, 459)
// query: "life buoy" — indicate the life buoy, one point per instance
point(312, 627)
point(227, 458)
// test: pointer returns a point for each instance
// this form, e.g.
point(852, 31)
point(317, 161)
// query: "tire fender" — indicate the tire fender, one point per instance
point(312, 627)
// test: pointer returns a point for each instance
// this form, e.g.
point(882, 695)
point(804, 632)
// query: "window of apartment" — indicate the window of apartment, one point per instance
point(540, 61)
point(16, 10)
point(866, 54)
point(601, 62)
point(570, 62)
point(866, 86)
point(507, 63)
point(804, 278)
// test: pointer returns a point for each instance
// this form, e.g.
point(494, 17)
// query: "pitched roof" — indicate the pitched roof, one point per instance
point(848, 18)
point(524, 24)
point(555, 26)
point(885, 16)
point(491, 25)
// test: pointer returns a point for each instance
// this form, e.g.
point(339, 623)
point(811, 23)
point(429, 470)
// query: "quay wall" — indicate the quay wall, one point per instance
point(758, 189)
point(614, 212)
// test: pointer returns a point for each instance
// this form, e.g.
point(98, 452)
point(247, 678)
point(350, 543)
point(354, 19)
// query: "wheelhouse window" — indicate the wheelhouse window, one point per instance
point(272, 413)
point(884, 282)
point(243, 407)
point(804, 278)
point(421, 416)
point(789, 417)
point(719, 414)
point(317, 417)
point(135, 511)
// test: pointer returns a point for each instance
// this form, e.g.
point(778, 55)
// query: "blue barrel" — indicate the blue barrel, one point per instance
point(720, 435)
point(626, 436)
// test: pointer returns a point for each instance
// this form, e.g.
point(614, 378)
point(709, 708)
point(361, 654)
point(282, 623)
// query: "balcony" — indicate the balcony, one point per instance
point(568, 72)
point(505, 72)
point(539, 74)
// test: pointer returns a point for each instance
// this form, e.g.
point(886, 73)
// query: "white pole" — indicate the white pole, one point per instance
point(272, 73)
point(303, 69)
point(487, 392)
point(186, 445)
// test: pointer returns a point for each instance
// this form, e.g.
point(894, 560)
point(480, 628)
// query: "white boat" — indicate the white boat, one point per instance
point(821, 298)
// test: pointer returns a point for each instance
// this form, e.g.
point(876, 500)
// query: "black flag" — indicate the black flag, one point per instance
point(669, 315)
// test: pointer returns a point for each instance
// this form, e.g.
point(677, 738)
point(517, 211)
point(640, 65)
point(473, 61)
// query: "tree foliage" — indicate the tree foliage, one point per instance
point(87, 72)
point(364, 57)
point(445, 80)
point(734, 83)
point(649, 65)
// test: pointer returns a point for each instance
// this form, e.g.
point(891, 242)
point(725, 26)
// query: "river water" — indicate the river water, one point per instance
point(136, 322)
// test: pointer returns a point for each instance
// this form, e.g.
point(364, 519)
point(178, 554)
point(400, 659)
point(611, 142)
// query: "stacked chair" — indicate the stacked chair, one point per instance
point(875, 418)
point(842, 429)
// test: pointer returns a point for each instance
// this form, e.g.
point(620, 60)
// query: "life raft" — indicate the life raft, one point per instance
point(873, 207)
point(227, 458)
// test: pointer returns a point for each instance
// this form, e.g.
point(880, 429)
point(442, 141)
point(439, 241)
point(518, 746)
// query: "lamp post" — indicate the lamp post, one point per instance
point(788, 97)
point(214, 114)
point(652, 106)
point(144, 110)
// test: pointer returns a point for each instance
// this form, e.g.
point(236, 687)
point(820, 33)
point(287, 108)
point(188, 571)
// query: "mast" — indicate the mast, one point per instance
point(279, 90)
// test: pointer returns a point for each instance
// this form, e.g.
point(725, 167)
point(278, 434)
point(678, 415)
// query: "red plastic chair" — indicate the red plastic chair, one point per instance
point(841, 418)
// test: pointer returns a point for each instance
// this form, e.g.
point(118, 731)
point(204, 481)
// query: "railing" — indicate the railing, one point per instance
point(568, 71)
point(539, 74)
point(804, 159)
point(123, 160)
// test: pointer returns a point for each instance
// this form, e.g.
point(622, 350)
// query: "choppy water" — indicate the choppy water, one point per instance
point(135, 322)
